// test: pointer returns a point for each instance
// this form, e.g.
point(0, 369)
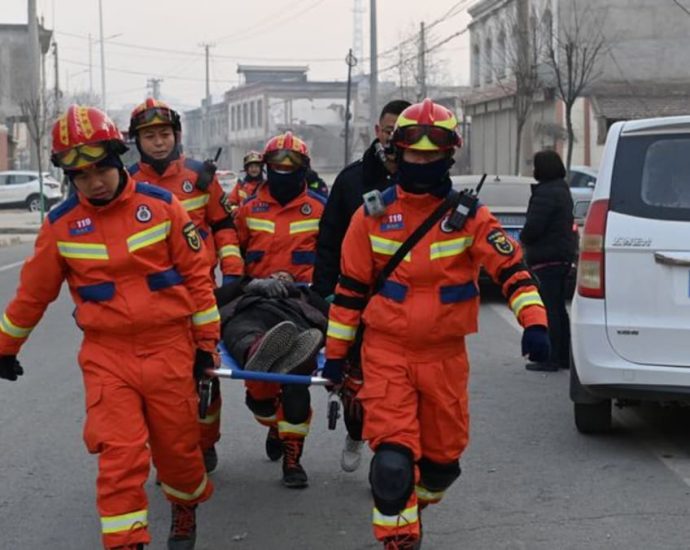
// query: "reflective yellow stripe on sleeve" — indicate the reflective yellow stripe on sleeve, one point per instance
point(186, 496)
point(196, 202)
point(406, 517)
point(454, 247)
point(257, 224)
point(124, 522)
point(15, 331)
point(525, 299)
point(341, 331)
point(82, 251)
point(304, 226)
point(149, 236)
point(229, 250)
point(209, 315)
point(386, 246)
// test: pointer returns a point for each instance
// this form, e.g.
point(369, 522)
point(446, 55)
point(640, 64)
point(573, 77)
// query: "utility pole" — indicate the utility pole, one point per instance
point(34, 70)
point(206, 103)
point(154, 84)
point(100, 19)
point(57, 79)
point(206, 46)
point(374, 66)
point(422, 63)
point(351, 61)
point(90, 66)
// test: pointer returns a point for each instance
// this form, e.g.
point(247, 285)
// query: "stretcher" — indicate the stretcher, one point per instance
point(231, 369)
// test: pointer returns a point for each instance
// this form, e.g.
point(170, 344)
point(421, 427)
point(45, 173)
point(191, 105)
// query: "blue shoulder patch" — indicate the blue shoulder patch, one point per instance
point(390, 195)
point(318, 196)
point(154, 191)
point(133, 169)
point(63, 208)
point(194, 165)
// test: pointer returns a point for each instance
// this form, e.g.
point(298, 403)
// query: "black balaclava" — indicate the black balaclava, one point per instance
point(548, 166)
point(111, 161)
point(285, 186)
point(160, 165)
point(420, 179)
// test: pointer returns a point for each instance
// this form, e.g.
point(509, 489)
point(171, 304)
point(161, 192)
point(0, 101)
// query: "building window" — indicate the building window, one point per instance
point(245, 115)
point(232, 118)
point(260, 113)
point(501, 57)
point(476, 66)
point(489, 65)
point(253, 115)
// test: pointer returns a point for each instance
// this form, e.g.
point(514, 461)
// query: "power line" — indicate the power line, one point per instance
point(427, 50)
point(681, 6)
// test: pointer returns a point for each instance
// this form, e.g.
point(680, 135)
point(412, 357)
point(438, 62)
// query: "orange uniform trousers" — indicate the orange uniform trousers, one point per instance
point(418, 400)
point(264, 391)
point(141, 403)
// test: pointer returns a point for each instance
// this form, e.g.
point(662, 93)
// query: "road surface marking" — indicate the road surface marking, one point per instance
point(503, 311)
point(10, 266)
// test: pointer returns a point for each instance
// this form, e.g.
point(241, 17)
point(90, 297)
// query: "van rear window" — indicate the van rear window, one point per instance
point(651, 177)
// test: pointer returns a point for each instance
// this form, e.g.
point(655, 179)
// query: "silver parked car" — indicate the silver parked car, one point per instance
point(21, 188)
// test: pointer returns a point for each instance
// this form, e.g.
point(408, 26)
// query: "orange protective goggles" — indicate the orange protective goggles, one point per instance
point(286, 158)
point(441, 137)
point(152, 117)
point(81, 156)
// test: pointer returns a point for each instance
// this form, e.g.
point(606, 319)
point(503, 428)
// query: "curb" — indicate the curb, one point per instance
point(13, 240)
point(19, 230)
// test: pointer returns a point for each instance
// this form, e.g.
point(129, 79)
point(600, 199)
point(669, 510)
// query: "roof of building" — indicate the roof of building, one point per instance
point(633, 100)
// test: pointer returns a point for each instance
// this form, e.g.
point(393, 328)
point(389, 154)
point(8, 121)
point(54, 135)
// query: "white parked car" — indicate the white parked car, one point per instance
point(21, 188)
point(631, 313)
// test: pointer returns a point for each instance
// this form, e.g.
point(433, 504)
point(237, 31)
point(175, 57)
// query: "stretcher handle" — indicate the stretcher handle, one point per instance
point(239, 374)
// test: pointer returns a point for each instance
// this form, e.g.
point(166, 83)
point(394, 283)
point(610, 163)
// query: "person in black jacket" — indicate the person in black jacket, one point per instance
point(372, 171)
point(550, 245)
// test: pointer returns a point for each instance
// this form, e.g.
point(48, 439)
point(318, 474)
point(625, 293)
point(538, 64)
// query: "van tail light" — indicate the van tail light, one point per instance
point(590, 268)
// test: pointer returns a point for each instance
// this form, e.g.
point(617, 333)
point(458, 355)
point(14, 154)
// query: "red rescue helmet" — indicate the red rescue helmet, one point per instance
point(153, 112)
point(252, 157)
point(286, 152)
point(84, 136)
point(426, 126)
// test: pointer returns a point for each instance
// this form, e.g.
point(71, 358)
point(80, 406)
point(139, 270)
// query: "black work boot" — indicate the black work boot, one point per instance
point(183, 528)
point(274, 446)
point(210, 459)
point(294, 475)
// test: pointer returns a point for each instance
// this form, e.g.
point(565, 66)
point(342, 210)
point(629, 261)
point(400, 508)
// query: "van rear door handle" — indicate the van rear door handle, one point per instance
point(667, 259)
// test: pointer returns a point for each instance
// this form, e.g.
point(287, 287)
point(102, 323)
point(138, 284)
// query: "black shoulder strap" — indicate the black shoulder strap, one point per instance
point(450, 202)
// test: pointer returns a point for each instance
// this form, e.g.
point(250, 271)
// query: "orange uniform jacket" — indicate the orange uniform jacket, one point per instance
point(431, 300)
point(131, 266)
point(207, 209)
point(242, 191)
point(279, 238)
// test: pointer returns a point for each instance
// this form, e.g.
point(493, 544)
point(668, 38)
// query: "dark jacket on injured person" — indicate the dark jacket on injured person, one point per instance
point(246, 317)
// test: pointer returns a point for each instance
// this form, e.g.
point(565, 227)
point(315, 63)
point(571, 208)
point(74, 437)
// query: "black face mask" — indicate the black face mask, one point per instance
point(286, 186)
point(248, 178)
point(429, 178)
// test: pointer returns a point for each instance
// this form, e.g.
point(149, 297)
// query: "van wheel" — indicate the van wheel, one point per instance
point(33, 203)
point(593, 418)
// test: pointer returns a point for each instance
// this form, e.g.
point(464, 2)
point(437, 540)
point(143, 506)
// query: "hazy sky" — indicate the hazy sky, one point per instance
point(161, 38)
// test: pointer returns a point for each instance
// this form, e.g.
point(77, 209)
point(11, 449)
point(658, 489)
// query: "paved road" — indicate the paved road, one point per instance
point(529, 482)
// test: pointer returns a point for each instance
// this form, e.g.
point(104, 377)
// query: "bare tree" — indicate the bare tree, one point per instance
point(512, 63)
point(573, 54)
point(37, 116)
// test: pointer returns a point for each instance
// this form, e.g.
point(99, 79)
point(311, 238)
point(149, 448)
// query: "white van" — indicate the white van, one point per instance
point(631, 312)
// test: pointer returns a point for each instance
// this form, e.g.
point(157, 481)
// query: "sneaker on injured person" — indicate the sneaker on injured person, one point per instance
point(298, 359)
point(267, 349)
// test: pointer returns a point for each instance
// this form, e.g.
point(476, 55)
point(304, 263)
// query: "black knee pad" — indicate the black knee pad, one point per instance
point(437, 476)
point(261, 407)
point(296, 403)
point(391, 476)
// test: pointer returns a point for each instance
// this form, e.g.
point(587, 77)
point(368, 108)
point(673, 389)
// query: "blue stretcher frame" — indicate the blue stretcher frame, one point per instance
point(231, 369)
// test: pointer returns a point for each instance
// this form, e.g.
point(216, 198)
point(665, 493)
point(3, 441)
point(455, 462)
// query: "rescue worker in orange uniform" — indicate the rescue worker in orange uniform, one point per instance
point(277, 231)
point(157, 130)
point(253, 168)
point(413, 357)
point(137, 272)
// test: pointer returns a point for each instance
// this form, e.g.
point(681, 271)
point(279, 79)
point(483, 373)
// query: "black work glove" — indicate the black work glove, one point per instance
point(203, 361)
point(270, 288)
point(535, 343)
point(10, 368)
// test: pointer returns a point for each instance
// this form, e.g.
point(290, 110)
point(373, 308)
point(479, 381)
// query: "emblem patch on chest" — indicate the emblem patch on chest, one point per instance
point(143, 213)
point(187, 186)
point(81, 227)
point(501, 242)
point(260, 207)
point(306, 209)
point(192, 236)
point(392, 222)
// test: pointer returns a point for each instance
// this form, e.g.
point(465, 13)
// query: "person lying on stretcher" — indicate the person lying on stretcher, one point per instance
point(272, 324)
